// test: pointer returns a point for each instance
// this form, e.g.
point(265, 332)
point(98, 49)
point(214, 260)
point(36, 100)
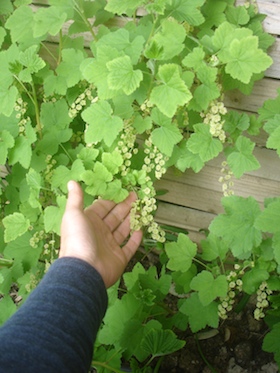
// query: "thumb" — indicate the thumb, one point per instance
point(75, 198)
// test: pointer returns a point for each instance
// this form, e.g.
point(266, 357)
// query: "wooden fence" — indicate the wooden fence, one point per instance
point(193, 200)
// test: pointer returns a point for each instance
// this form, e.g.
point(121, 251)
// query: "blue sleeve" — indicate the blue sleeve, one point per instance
point(54, 330)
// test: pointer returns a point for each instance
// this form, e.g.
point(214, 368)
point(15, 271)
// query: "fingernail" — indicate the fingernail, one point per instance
point(70, 185)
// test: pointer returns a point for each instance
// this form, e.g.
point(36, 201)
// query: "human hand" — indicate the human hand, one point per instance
point(96, 233)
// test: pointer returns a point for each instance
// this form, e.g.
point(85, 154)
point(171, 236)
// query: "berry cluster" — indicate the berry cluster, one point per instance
point(80, 102)
point(226, 180)
point(262, 300)
point(33, 282)
point(36, 238)
point(21, 108)
point(214, 119)
point(234, 286)
point(49, 169)
point(154, 159)
point(126, 146)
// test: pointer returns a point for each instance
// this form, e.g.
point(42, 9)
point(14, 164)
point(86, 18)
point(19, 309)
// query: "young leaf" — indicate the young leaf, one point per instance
point(180, 253)
point(103, 126)
point(237, 225)
point(112, 161)
point(15, 225)
point(115, 191)
point(213, 247)
point(170, 39)
point(165, 137)
point(97, 180)
point(208, 287)
point(172, 92)
point(245, 59)
point(200, 316)
point(272, 127)
point(161, 342)
point(62, 175)
point(122, 76)
point(208, 90)
point(241, 158)
point(202, 143)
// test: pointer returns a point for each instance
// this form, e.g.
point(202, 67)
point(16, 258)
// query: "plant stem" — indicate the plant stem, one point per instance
point(202, 264)
point(203, 357)
point(106, 366)
point(6, 262)
point(66, 152)
point(156, 369)
point(60, 48)
point(25, 89)
point(86, 21)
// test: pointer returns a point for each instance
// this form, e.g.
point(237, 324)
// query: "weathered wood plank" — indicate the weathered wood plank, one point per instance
point(263, 90)
point(191, 220)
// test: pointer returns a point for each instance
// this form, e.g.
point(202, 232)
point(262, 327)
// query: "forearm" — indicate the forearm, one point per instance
point(54, 330)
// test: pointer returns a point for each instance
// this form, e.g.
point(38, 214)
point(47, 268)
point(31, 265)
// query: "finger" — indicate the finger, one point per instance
point(132, 245)
point(122, 231)
point(75, 196)
point(101, 207)
point(119, 213)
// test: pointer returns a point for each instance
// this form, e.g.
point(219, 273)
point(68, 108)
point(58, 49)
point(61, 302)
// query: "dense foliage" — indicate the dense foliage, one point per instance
point(145, 95)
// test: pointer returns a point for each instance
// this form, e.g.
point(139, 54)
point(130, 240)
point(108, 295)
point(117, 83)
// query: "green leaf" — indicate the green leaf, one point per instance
point(208, 287)
point(169, 39)
point(237, 15)
point(241, 159)
point(172, 92)
point(53, 215)
point(268, 220)
point(102, 125)
point(142, 124)
point(117, 316)
point(7, 100)
point(115, 192)
point(6, 142)
point(271, 342)
point(97, 180)
point(208, 90)
point(180, 253)
point(272, 127)
point(62, 175)
point(124, 6)
point(213, 247)
point(48, 20)
point(202, 143)
point(22, 151)
point(20, 24)
point(69, 68)
point(7, 308)
point(32, 62)
point(200, 316)
point(2, 35)
point(131, 278)
point(161, 342)
point(122, 76)
point(244, 59)
point(252, 280)
point(187, 11)
point(237, 225)
point(187, 159)
point(112, 161)
point(15, 225)
point(121, 39)
point(195, 59)
point(166, 137)
point(270, 108)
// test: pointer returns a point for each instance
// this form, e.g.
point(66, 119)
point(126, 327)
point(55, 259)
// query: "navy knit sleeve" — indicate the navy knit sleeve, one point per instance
point(54, 330)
